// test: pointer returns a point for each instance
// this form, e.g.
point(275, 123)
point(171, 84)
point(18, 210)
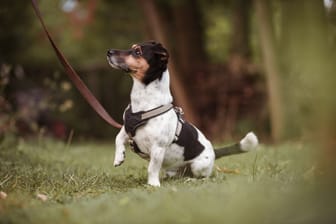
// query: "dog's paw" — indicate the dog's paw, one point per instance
point(154, 183)
point(118, 163)
point(119, 159)
point(249, 142)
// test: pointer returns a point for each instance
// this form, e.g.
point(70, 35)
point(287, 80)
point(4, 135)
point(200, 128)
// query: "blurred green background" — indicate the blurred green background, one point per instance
point(263, 65)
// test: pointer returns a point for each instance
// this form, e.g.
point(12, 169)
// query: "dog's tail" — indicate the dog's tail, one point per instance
point(248, 143)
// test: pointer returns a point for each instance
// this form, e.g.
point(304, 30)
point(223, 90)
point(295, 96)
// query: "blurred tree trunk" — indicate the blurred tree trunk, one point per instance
point(238, 63)
point(308, 60)
point(240, 42)
point(186, 35)
point(188, 32)
point(12, 44)
point(303, 47)
point(266, 34)
point(159, 30)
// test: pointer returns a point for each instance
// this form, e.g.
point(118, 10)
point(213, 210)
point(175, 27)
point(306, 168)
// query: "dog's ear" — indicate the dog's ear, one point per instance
point(157, 63)
point(161, 52)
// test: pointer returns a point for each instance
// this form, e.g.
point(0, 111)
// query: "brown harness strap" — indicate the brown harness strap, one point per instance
point(82, 88)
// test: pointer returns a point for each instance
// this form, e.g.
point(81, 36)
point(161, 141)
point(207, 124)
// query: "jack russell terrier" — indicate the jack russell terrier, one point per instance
point(154, 127)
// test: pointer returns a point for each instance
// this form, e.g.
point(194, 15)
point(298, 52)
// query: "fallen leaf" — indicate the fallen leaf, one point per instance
point(3, 195)
point(42, 197)
point(226, 170)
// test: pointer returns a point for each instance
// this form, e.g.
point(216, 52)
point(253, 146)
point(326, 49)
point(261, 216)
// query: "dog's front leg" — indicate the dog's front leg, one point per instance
point(120, 149)
point(155, 163)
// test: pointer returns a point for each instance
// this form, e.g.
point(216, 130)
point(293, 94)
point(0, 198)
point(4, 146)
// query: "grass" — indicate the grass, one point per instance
point(273, 185)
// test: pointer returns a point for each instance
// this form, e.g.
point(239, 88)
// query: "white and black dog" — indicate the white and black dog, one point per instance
point(155, 127)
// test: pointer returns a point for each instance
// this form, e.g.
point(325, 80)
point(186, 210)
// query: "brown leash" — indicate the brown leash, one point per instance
point(82, 88)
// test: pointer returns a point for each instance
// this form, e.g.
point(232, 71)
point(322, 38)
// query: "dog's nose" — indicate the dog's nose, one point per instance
point(110, 52)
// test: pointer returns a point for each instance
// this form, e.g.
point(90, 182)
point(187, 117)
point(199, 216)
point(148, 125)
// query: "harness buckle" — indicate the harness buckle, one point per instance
point(179, 110)
point(131, 143)
point(180, 121)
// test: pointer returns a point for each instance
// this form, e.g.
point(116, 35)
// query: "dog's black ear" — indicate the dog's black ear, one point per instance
point(157, 63)
point(161, 52)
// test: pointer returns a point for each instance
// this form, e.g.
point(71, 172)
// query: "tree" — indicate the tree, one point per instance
point(188, 36)
point(240, 51)
point(305, 60)
point(308, 66)
point(12, 43)
point(266, 34)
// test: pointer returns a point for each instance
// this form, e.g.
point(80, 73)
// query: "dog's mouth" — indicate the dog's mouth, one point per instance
point(118, 63)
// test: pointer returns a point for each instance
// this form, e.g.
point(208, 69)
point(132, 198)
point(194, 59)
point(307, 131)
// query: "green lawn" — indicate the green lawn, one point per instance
point(273, 185)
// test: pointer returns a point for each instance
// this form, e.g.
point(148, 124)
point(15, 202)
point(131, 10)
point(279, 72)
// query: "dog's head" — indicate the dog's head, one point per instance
point(145, 61)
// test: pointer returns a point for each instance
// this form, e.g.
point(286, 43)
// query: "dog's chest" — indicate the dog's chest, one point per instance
point(157, 132)
point(161, 132)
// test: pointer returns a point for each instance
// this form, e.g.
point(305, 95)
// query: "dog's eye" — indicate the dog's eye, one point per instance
point(137, 52)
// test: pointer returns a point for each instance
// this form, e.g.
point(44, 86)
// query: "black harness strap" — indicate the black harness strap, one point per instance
point(132, 121)
point(186, 135)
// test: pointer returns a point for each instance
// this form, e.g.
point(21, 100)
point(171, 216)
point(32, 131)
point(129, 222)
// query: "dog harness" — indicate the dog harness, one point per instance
point(186, 134)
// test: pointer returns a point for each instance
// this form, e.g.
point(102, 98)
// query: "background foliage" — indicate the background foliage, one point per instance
point(217, 44)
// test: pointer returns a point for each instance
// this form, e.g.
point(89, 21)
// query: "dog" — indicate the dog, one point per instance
point(155, 128)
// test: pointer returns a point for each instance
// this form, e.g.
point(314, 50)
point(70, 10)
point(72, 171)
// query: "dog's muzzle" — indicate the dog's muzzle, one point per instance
point(117, 61)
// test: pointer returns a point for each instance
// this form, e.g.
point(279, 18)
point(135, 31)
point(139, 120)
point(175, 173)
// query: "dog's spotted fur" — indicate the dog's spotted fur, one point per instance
point(147, 64)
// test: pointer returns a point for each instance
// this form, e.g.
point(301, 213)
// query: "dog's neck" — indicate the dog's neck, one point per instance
point(155, 94)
